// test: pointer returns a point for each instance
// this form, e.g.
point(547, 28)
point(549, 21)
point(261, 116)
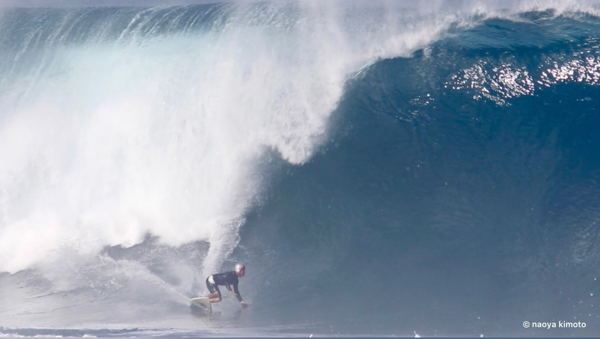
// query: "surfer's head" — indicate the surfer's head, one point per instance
point(240, 270)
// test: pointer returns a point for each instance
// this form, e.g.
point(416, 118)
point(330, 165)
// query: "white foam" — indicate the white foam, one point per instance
point(121, 140)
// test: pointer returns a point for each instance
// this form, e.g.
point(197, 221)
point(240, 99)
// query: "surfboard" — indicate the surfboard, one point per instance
point(202, 303)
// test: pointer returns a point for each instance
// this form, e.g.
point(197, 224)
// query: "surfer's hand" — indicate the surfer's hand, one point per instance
point(244, 304)
point(232, 293)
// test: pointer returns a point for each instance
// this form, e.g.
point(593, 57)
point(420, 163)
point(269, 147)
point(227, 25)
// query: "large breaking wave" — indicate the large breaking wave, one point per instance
point(384, 168)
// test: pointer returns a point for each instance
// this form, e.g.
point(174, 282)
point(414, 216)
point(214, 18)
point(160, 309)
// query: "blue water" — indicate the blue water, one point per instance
point(388, 171)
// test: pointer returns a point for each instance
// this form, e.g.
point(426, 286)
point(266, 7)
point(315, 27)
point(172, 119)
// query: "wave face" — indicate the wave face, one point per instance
point(382, 169)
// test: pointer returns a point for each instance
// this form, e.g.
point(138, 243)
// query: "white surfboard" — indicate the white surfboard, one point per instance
point(202, 303)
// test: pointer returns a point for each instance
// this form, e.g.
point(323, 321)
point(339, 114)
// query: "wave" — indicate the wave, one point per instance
point(132, 121)
point(344, 150)
point(457, 195)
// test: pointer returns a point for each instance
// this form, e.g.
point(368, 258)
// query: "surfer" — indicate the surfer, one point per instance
point(229, 280)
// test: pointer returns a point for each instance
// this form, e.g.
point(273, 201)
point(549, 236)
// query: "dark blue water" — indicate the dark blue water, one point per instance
point(458, 194)
point(455, 191)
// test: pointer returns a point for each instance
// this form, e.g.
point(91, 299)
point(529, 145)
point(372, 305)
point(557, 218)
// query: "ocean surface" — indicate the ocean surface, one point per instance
point(383, 168)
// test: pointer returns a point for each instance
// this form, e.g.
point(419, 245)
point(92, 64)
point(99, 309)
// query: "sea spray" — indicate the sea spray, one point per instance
point(122, 122)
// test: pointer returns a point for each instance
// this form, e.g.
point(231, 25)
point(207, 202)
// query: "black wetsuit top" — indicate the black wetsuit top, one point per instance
point(229, 280)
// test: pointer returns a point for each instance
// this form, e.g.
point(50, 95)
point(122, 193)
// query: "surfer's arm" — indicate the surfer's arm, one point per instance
point(237, 293)
point(232, 291)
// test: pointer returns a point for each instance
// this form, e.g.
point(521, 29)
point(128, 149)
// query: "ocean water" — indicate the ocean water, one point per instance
point(382, 168)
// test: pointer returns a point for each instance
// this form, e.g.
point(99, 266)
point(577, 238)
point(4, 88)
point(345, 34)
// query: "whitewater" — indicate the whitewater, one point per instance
point(382, 167)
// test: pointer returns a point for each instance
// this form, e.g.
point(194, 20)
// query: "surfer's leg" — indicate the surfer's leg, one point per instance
point(215, 296)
